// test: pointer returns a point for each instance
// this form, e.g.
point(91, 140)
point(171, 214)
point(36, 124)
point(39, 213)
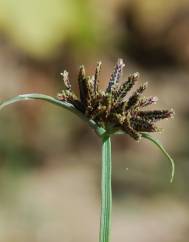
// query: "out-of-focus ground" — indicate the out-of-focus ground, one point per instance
point(50, 160)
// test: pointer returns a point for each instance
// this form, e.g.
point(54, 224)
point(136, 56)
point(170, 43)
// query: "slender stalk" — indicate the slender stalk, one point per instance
point(106, 190)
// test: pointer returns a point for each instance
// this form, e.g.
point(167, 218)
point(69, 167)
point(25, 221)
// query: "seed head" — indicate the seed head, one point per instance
point(113, 109)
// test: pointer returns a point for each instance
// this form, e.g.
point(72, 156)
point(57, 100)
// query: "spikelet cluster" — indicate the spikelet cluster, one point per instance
point(113, 108)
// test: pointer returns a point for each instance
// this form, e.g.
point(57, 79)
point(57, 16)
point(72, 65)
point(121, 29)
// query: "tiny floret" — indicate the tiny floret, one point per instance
point(112, 108)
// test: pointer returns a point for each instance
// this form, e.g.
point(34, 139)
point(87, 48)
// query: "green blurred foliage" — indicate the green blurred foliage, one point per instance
point(39, 27)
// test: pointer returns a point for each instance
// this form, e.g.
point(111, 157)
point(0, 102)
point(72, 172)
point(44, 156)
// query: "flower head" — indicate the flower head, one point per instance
point(113, 109)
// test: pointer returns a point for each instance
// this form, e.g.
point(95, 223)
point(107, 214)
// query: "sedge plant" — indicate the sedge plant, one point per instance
point(108, 112)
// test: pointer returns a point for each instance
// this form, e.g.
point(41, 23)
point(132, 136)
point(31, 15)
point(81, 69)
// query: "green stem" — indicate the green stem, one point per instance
point(106, 190)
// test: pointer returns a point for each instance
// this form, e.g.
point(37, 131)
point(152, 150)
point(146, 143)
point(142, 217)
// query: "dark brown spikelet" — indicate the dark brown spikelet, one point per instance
point(130, 130)
point(113, 109)
point(66, 80)
point(89, 85)
point(115, 77)
point(126, 86)
point(70, 97)
point(82, 85)
point(155, 115)
point(142, 125)
point(135, 98)
point(147, 101)
point(96, 77)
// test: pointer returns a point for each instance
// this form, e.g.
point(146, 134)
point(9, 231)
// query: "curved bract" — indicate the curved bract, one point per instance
point(160, 146)
point(38, 96)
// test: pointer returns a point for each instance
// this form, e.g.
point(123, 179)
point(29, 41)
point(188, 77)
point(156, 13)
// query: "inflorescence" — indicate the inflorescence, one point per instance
point(112, 108)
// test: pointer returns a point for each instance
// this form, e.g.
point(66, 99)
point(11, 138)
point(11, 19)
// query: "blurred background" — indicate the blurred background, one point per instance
point(50, 161)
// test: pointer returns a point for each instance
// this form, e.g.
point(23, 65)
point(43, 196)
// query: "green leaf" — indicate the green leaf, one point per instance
point(160, 146)
point(36, 96)
point(31, 96)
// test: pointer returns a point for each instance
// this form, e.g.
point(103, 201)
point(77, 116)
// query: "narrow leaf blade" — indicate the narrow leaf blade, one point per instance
point(38, 96)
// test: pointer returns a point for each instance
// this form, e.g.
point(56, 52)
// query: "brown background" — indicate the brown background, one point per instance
point(50, 160)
